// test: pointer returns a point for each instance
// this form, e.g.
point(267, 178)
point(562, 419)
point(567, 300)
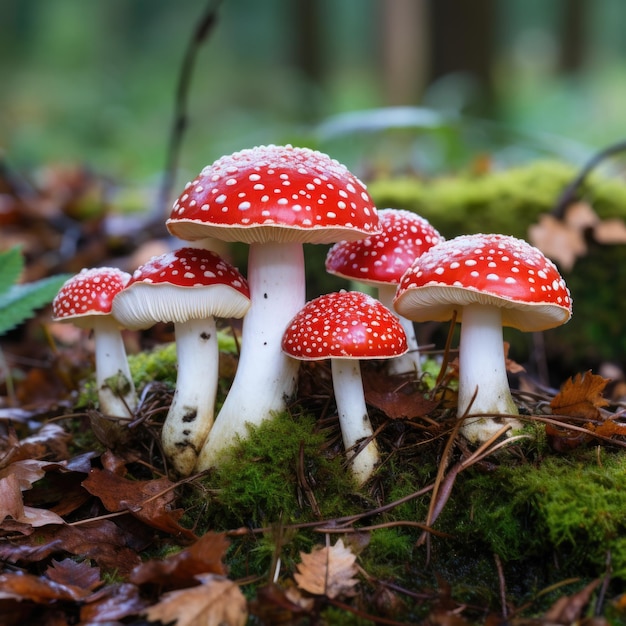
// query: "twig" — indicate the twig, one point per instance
point(203, 27)
point(569, 193)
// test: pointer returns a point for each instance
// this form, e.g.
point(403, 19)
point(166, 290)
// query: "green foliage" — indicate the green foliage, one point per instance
point(18, 302)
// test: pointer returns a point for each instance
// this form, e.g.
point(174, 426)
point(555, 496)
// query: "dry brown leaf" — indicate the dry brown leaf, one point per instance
point(327, 571)
point(26, 471)
point(511, 366)
point(394, 398)
point(610, 232)
point(81, 574)
point(559, 241)
point(217, 601)
point(110, 546)
point(151, 501)
point(581, 396)
point(580, 216)
point(112, 603)
point(12, 505)
point(569, 609)
point(180, 570)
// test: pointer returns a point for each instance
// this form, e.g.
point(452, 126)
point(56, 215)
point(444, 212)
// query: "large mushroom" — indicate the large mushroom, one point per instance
point(85, 300)
point(274, 198)
point(189, 287)
point(346, 327)
point(381, 260)
point(490, 281)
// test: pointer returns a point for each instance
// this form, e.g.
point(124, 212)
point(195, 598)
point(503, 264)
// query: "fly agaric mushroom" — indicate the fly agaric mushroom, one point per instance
point(189, 287)
point(345, 327)
point(85, 301)
point(381, 260)
point(490, 281)
point(274, 198)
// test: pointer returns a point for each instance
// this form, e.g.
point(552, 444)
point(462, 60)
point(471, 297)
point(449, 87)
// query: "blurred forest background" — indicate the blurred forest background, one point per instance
point(426, 87)
point(94, 82)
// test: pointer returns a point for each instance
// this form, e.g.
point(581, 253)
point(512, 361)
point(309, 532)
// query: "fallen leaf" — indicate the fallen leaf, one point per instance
point(76, 574)
point(26, 471)
point(568, 609)
point(396, 399)
point(581, 396)
point(217, 601)
point(112, 603)
point(12, 505)
point(37, 589)
point(610, 232)
point(511, 366)
point(148, 500)
point(559, 241)
point(180, 570)
point(327, 571)
point(580, 216)
point(101, 540)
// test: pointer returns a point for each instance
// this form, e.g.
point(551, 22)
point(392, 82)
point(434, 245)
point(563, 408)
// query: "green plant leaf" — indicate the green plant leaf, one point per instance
point(19, 302)
point(11, 266)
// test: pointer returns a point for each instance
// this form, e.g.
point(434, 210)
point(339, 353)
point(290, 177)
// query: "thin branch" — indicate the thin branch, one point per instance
point(570, 192)
point(201, 32)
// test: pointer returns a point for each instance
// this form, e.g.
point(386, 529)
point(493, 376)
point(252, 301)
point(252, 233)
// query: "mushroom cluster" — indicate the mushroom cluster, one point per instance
point(275, 199)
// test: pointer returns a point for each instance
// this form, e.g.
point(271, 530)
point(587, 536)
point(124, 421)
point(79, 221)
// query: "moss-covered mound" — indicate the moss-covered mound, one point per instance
point(509, 202)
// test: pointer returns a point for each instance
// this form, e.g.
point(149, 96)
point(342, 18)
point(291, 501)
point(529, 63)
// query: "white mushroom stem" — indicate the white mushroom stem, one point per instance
point(191, 414)
point(266, 377)
point(483, 384)
point(117, 398)
point(353, 419)
point(409, 361)
point(116, 391)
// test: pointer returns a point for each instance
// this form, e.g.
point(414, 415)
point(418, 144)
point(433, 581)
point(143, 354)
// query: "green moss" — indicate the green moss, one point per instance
point(504, 201)
point(156, 365)
point(258, 481)
point(560, 516)
point(508, 202)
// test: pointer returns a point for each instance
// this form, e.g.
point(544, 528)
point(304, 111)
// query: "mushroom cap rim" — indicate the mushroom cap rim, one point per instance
point(437, 302)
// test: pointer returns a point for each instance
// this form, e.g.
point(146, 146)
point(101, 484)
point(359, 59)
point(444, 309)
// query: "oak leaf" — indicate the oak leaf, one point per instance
point(327, 571)
point(610, 232)
point(559, 241)
point(581, 396)
point(215, 602)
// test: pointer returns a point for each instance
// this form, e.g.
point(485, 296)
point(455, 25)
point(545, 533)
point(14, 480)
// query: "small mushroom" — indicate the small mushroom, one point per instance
point(381, 260)
point(189, 287)
point(490, 281)
point(274, 198)
point(346, 327)
point(85, 300)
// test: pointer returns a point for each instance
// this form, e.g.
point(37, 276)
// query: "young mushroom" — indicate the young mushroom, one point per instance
point(274, 198)
point(381, 260)
point(490, 281)
point(346, 327)
point(189, 287)
point(85, 300)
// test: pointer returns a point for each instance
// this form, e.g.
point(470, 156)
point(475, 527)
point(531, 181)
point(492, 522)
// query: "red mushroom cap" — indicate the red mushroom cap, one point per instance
point(498, 270)
point(274, 193)
point(383, 258)
point(90, 293)
point(189, 283)
point(344, 325)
